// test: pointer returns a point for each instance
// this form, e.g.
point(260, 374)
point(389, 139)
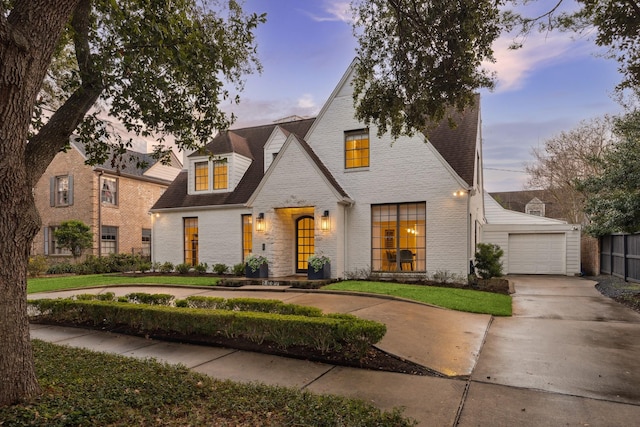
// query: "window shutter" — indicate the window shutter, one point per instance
point(46, 240)
point(52, 191)
point(70, 190)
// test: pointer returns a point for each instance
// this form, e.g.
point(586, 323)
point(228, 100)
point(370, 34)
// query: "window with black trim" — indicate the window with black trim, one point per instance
point(191, 241)
point(356, 149)
point(398, 237)
point(247, 235)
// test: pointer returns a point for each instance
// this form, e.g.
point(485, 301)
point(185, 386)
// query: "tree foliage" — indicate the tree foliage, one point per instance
point(488, 263)
point(75, 236)
point(419, 58)
point(613, 197)
point(567, 157)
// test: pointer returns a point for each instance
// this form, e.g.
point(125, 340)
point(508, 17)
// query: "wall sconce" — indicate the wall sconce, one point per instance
point(260, 222)
point(458, 193)
point(325, 223)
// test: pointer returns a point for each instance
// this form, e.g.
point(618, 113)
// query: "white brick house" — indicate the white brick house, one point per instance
point(329, 185)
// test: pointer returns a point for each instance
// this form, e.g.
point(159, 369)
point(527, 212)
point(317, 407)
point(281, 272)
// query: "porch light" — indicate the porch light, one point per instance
point(325, 223)
point(459, 193)
point(260, 222)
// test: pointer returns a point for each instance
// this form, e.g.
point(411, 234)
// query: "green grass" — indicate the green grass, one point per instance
point(456, 299)
point(45, 284)
point(85, 388)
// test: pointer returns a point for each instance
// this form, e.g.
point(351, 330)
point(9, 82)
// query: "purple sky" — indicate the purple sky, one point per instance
point(549, 86)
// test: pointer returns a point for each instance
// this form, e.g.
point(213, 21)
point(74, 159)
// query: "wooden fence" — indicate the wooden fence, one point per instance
point(620, 256)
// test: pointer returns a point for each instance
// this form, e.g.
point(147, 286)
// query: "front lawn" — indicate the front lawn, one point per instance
point(455, 299)
point(46, 284)
point(85, 388)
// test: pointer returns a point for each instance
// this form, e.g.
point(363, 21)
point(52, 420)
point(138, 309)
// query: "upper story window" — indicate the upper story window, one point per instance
point(61, 191)
point(109, 191)
point(201, 176)
point(356, 149)
point(220, 178)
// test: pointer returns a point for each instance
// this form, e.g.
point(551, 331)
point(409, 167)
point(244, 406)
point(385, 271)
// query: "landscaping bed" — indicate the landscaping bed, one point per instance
point(626, 293)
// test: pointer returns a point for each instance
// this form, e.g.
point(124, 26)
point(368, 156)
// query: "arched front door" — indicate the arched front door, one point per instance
point(305, 242)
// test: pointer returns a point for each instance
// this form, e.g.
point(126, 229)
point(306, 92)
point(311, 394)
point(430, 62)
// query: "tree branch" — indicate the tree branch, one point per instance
point(54, 135)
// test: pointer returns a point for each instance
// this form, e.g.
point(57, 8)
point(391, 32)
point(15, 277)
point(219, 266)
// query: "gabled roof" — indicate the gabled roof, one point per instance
point(458, 145)
point(247, 141)
point(517, 201)
point(127, 165)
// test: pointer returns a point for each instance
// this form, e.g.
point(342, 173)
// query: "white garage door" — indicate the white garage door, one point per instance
point(537, 253)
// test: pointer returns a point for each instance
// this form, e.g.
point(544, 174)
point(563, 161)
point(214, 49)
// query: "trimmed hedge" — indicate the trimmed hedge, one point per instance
point(325, 333)
point(250, 304)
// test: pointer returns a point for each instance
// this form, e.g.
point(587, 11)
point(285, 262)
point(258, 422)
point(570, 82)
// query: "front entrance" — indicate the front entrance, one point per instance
point(305, 242)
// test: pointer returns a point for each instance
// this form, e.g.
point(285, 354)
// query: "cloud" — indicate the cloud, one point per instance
point(306, 102)
point(334, 10)
point(513, 67)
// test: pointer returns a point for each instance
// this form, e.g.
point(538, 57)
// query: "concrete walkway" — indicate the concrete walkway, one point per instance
point(568, 356)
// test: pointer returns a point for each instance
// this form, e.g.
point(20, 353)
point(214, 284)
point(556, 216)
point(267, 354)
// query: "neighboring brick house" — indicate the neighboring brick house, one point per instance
point(115, 204)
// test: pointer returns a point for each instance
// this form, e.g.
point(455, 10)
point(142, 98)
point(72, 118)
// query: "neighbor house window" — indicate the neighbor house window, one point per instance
point(109, 191)
point(219, 175)
point(108, 240)
point(50, 244)
point(191, 241)
point(146, 242)
point(356, 149)
point(61, 191)
point(398, 237)
point(201, 176)
point(247, 235)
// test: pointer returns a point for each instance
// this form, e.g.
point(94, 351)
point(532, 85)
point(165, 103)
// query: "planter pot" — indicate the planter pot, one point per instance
point(262, 272)
point(323, 273)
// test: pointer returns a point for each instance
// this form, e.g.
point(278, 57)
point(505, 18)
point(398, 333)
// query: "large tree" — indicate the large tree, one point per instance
point(158, 66)
point(420, 58)
point(613, 197)
point(566, 157)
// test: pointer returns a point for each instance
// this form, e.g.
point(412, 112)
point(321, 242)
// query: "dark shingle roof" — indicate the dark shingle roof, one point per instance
point(247, 141)
point(458, 145)
point(126, 165)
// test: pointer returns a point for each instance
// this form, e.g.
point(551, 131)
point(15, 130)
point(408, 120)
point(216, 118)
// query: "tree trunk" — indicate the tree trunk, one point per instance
point(28, 36)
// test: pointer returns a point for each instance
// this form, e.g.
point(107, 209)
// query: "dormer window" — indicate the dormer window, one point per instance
point(201, 174)
point(220, 176)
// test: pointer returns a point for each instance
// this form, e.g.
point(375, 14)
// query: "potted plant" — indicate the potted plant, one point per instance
point(256, 266)
point(319, 267)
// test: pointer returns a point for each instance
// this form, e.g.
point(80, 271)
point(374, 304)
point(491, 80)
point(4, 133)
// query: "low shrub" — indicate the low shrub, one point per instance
point(37, 265)
point(324, 333)
point(220, 268)
point(238, 269)
point(166, 267)
point(251, 304)
point(62, 268)
point(183, 268)
point(487, 259)
point(201, 268)
point(151, 299)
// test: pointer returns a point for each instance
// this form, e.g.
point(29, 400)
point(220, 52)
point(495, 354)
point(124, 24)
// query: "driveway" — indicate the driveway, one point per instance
point(567, 354)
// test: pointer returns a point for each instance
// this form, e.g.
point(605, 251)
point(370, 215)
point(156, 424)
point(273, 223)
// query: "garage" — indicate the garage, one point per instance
point(537, 253)
point(531, 244)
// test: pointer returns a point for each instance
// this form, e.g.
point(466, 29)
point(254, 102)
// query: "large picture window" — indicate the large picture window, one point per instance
point(356, 149)
point(247, 235)
point(398, 233)
point(191, 241)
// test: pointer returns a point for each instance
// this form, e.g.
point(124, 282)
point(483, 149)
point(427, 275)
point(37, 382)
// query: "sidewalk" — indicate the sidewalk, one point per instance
point(450, 342)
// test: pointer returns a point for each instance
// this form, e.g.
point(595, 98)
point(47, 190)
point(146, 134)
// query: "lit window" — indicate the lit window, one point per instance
point(109, 191)
point(398, 237)
point(219, 175)
point(191, 241)
point(356, 149)
point(247, 235)
point(201, 176)
point(108, 240)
